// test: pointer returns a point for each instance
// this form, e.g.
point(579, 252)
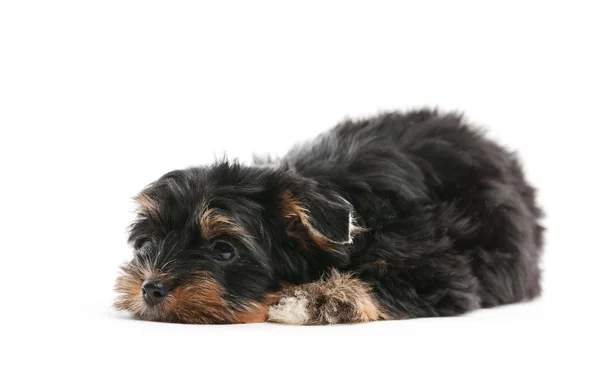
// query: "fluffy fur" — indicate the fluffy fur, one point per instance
point(398, 216)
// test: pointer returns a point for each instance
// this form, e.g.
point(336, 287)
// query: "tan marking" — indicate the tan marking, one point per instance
point(129, 288)
point(255, 312)
point(381, 262)
point(147, 205)
point(197, 301)
point(339, 298)
point(292, 210)
point(213, 224)
point(128, 285)
point(355, 228)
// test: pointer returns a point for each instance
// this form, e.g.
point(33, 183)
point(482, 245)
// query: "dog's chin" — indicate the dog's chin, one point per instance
point(166, 311)
point(252, 312)
point(160, 313)
point(137, 307)
point(150, 313)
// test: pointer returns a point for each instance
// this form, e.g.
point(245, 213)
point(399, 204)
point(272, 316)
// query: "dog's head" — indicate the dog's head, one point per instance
point(212, 244)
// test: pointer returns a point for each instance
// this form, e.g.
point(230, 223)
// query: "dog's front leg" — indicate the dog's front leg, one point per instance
point(337, 298)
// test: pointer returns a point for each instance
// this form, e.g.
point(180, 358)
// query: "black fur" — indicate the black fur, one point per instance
point(450, 223)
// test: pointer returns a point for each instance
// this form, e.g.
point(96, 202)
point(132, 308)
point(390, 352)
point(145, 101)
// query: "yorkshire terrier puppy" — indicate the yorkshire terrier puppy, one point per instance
point(403, 215)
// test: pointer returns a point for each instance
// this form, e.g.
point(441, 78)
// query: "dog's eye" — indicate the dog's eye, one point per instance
point(224, 250)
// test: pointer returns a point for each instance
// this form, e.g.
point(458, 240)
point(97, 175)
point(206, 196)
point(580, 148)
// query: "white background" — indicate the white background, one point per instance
point(97, 99)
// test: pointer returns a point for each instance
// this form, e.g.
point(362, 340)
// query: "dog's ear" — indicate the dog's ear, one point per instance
point(323, 218)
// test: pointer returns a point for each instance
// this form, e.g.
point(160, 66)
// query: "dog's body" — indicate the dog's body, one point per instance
point(398, 216)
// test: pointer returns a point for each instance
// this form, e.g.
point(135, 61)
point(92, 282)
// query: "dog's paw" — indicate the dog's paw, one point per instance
point(290, 310)
point(336, 300)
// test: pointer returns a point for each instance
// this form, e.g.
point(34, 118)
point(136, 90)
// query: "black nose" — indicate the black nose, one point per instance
point(155, 291)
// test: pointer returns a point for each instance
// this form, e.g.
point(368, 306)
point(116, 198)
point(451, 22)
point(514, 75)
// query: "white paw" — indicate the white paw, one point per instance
point(290, 310)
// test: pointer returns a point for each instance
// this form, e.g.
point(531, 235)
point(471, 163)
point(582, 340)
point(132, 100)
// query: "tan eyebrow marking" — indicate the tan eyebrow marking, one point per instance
point(147, 205)
point(213, 224)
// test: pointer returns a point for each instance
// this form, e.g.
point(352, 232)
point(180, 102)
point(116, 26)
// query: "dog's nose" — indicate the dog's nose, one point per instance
point(155, 291)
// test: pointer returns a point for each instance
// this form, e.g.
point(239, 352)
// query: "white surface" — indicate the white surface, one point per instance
point(98, 99)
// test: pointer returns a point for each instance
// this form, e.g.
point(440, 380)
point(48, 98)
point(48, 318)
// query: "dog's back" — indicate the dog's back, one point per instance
point(426, 182)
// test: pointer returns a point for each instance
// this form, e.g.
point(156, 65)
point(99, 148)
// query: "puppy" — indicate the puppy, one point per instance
point(398, 216)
